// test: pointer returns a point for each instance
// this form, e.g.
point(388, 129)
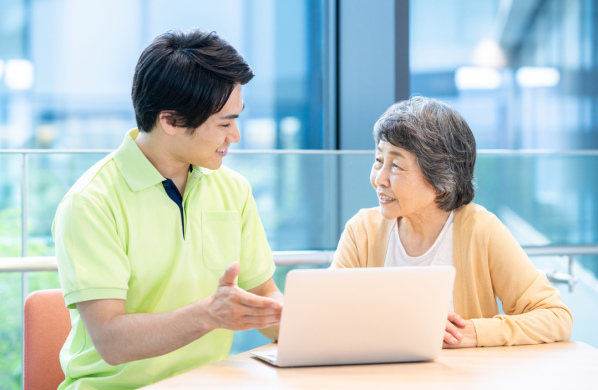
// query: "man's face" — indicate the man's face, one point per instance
point(208, 145)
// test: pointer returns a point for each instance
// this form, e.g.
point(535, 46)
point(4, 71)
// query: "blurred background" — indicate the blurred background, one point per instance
point(523, 73)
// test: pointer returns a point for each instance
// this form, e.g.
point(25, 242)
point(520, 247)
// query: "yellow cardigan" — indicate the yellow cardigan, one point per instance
point(489, 263)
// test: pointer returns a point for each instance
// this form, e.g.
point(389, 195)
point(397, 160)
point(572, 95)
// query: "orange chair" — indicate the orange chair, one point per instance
point(46, 325)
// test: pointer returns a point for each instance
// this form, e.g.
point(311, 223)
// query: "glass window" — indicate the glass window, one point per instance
point(523, 74)
point(520, 72)
point(66, 69)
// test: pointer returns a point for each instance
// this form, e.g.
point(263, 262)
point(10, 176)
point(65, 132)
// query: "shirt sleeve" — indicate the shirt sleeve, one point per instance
point(92, 263)
point(257, 263)
point(534, 311)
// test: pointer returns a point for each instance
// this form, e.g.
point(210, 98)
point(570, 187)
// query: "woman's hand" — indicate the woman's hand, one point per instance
point(459, 333)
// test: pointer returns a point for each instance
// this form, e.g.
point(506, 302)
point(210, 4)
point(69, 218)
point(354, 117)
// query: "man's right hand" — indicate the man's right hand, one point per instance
point(120, 337)
point(236, 309)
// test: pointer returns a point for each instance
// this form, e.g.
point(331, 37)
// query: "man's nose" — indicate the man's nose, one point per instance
point(234, 136)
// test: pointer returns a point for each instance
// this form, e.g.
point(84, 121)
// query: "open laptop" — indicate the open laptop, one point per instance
point(362, 315)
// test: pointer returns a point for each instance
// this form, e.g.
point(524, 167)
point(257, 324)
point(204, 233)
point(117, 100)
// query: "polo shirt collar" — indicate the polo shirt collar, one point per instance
point(138, 171)
point(204, 171)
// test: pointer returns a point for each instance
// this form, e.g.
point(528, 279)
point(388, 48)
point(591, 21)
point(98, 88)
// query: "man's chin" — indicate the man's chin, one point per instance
point(211, 167)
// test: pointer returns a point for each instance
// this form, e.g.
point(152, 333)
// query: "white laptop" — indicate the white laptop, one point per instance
point(362, 315)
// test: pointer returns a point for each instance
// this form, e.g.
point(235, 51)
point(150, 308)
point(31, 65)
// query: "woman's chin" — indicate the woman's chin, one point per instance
point(389, 214)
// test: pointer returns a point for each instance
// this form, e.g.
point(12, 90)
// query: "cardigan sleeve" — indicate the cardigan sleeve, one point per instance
point(347, 253)
point(534, 311)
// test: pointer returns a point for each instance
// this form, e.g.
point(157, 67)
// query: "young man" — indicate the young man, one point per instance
point(161, 253)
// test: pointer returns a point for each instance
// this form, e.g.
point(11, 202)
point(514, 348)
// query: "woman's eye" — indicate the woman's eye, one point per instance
point(226, 125)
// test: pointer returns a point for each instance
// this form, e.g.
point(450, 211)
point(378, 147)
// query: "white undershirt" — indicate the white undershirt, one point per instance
point(441, 253)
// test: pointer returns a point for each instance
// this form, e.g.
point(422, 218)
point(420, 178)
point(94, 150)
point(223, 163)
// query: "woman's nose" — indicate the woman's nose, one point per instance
point(381, 179)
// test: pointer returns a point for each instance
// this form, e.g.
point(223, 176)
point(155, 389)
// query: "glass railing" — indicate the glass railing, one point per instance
point(304, 199)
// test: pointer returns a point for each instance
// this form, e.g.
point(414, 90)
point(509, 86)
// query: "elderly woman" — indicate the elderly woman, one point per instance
point(422, 173)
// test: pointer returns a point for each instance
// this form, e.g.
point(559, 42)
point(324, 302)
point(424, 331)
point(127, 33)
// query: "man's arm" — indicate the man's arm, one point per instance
point(270, 290)
point(121, 337)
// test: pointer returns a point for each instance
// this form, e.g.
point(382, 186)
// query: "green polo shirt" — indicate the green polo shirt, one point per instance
point(118, 236)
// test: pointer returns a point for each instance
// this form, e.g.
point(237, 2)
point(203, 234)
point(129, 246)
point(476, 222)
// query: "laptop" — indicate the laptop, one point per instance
point(362, 315)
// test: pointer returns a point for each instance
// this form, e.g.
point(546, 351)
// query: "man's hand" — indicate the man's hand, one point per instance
point(459, 333)
point(121, 337)
point(233, 308)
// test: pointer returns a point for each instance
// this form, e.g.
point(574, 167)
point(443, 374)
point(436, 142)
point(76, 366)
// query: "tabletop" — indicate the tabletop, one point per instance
point(566, 365)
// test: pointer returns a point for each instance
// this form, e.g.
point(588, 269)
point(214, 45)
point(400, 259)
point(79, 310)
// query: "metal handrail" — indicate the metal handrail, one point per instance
point(502, 152)
point(562, 250)
point(233, 151)
point(26, 264)
point(48, 263)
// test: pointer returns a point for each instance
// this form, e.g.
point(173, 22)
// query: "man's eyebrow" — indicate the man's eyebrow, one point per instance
point(232, 116)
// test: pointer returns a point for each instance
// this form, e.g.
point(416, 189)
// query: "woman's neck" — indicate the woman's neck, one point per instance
point(418, 232)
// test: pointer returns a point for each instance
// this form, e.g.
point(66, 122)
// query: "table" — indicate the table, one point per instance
point(564, 365)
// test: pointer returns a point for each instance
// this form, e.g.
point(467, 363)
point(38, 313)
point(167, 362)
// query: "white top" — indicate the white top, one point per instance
point(441, 253)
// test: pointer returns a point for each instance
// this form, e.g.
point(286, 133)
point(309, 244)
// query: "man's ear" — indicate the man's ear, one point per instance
point(166, 122)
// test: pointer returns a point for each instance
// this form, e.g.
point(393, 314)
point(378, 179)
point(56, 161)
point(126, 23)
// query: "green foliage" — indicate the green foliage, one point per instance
point(10, 290)
point(11, 322)
point(10, 232)
point(10, 331)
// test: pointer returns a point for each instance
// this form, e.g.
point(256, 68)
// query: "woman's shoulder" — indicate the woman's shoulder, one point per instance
point(369, 219)
point(475, 217)
point(368, 216)
point(372, 213)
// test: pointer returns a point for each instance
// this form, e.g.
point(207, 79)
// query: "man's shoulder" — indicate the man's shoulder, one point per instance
point(97, 180)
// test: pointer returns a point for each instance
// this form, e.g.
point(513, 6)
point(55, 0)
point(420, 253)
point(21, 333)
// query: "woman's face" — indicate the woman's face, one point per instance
point(401, 187)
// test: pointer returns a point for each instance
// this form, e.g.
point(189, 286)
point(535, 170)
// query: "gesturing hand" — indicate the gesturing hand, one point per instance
point(459, 333)
point(234, 308)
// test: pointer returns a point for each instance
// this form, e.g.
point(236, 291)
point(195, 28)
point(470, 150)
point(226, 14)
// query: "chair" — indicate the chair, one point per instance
point(46, 325)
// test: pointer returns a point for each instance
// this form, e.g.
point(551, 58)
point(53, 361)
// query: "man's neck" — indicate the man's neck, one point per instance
point(156, 150)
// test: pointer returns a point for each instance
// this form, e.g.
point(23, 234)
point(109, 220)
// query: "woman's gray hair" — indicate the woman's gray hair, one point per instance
point(442, 142)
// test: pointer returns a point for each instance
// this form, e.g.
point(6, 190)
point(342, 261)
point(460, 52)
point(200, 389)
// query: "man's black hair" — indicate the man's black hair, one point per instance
point(190, 74)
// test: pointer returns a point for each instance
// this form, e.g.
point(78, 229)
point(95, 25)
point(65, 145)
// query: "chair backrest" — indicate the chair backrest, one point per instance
point(46, 325)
